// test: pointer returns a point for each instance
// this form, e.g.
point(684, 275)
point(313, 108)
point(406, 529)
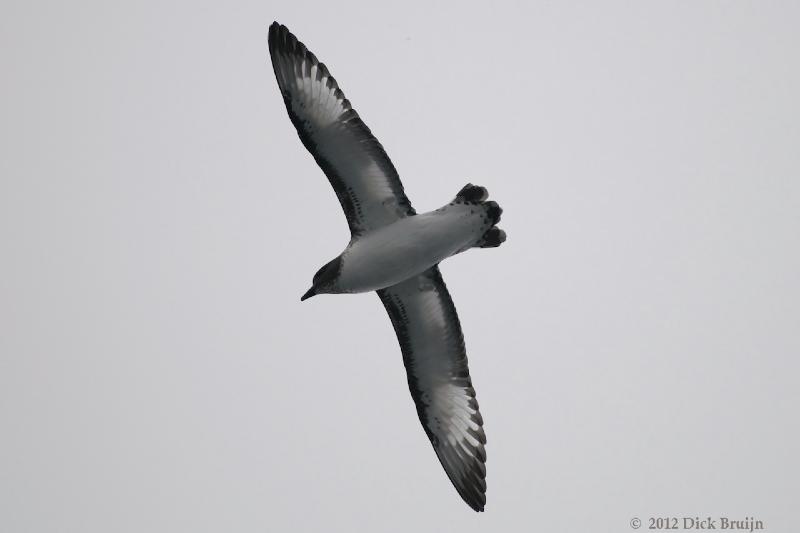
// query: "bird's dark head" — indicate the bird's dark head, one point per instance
point(325, 279)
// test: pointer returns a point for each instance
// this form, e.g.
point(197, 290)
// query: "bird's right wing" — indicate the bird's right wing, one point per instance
point(361, 173)
point(427, 326)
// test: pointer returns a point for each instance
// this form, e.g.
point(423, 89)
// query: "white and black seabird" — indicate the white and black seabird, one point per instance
point(395, 252)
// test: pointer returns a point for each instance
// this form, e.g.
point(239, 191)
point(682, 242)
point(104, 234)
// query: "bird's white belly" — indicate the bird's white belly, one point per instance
point(409, 246)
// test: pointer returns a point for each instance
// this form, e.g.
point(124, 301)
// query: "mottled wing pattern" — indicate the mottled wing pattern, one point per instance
point(429, 332)
point(359, 170)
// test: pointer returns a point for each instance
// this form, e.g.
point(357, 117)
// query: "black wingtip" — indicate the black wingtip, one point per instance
point(278, 35)
point(473, 497)
point(476, 500)
point(272, 35)
point(274, 28)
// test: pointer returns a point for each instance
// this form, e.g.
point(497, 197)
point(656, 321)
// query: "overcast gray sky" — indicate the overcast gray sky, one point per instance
point(634, 344)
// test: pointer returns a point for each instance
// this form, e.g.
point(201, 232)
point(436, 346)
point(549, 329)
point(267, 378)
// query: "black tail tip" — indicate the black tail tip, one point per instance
point(493, 238)
point(472, 193)
point(493, 211)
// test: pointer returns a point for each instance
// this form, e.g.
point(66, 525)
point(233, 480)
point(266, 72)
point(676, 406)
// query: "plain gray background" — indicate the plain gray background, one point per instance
point(634, 343)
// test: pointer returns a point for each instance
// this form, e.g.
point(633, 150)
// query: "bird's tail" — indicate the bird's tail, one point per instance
point(475, 194)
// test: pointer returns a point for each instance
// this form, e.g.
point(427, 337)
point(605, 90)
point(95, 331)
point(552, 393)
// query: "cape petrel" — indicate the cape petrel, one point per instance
point(395, 251)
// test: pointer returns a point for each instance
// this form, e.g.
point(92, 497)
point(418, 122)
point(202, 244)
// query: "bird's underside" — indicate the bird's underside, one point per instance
point(420, 307)
point(403, 249)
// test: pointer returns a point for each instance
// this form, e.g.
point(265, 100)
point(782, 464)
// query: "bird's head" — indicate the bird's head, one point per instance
point(325, 280)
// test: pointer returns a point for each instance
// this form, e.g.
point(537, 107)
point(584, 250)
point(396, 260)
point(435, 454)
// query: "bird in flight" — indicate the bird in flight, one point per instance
point(395, 252)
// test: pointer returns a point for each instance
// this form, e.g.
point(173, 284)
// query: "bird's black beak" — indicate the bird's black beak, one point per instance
point(309, 293)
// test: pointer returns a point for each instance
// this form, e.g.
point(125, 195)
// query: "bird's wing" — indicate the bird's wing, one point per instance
point(361, 173)
point(426, 323)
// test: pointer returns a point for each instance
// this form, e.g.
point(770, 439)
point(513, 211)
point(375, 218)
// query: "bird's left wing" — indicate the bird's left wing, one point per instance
point(359, 170)
point(425, 320)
